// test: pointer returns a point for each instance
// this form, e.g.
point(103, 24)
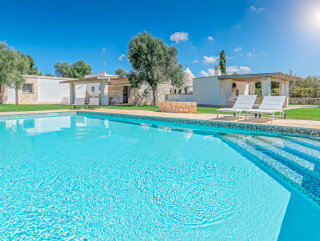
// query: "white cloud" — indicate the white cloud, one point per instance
point(210, 38)
point(252, 53)
point(204, 73)
point(210, 59)
point(237, 49)
point(121, 57)
point(195, 61)
point(238, 69)
point(209, 72)
point(256, 10)
point(179, 36)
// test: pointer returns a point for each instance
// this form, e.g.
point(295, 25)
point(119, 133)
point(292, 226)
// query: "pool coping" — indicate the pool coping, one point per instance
point(312, 132)
point(234, 125)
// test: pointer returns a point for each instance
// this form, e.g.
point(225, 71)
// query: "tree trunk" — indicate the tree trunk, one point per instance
point(154, 95)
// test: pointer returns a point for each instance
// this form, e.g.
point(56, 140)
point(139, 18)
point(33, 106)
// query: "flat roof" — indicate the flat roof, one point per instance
point(275, 76)
point(95, 79)
point(48, 77)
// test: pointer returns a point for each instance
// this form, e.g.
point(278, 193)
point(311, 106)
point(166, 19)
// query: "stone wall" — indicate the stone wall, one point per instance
point(116, 90)
point(143, 95)
point(28, 98)
point(178, 107)
point(304, 101)
point(180, 98)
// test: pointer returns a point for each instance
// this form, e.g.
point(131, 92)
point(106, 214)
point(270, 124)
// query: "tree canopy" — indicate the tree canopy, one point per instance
point(77, 70)
point(308, 82)
point(33, 70)
point(120, 72)
point(153, 62)
point(223, 64)
point(13, 65)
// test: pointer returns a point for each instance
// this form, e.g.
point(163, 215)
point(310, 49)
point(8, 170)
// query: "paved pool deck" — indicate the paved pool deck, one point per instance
point(211, 117)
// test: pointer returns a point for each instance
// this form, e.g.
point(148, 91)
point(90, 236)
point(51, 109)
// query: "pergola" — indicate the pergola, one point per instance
point(103, 79)
point(265, 79)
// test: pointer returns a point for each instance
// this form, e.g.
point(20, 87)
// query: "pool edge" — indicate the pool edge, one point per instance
point(312, 132)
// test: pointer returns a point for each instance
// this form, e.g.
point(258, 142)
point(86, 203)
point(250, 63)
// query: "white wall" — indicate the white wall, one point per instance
point(11, 95)
point(180, 98)
point(225, 91)
point(206, 90)
point(80, 91)
point(96, 91)
point(51, 91)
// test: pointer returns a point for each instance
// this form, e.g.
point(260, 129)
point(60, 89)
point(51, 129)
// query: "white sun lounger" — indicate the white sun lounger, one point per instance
point(93, 102)
point(270, 105)
point(78, 102)
point(244, 102)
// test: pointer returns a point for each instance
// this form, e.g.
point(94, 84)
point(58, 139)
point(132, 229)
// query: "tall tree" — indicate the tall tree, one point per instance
point(153, 62)
point(13, 65)
point(33, 70)
point(77, 70)
point(120, 72)
point(223, 64)
point(80, 68)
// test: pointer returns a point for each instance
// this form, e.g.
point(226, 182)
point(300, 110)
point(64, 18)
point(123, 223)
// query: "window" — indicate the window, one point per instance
point(27, 88)
point(92, 88)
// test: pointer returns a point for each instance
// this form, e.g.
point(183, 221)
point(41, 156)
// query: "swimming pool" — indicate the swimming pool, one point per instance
point(95, 177)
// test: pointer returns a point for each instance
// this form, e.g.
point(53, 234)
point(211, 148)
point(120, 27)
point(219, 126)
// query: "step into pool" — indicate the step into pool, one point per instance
point(98, 177)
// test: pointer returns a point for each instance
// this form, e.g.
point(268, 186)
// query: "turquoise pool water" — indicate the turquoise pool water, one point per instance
point(109, 178)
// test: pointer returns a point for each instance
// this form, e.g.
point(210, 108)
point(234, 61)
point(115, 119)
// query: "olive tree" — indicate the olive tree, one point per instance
point(153, 62)
point(13, 65)
point(77, 70)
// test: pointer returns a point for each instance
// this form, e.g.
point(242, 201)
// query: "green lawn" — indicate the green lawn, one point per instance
point(304, 114)
point(298, 114)
point(12, 108)
point(131, 107)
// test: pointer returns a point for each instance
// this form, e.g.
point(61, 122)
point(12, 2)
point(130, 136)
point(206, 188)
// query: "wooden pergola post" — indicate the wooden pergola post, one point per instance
point(104, 96)
point(72, 93)
point(266, 86)
point(284, 91)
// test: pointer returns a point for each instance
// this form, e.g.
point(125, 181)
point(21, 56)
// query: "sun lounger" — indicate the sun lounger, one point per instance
point(270, 105)
point(93, 102)
point(78, 102)
point(115, 100)
point(244, 102)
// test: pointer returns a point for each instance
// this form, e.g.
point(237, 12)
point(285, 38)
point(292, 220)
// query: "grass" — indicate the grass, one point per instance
point(304, 114)
point(36, 107)
point(131, 107)
point(298, 114)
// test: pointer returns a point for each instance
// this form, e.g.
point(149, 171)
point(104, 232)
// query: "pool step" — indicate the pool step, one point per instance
point(278, 148)
point(312, 156)
point(307, 180)
point(239, 144)
point(309, 175)
point(313, 144)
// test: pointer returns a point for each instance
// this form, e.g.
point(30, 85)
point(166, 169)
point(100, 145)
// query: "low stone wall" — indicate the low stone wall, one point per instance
point(178, 98)
point(178, 107)
point(304, 101)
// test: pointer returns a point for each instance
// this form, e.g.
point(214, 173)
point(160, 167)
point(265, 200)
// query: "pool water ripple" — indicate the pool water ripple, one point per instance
point(100, 179)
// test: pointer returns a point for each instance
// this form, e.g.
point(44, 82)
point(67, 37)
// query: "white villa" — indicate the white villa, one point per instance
point(223, 90)
point(217, 90)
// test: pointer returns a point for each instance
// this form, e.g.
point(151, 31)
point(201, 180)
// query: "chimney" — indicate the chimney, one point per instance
point(217, 71)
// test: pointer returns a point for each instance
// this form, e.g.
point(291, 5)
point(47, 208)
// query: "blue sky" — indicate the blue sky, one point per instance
point(258, 36)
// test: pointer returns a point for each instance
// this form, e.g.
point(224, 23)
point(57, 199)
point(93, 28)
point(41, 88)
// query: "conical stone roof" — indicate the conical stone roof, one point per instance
point(187, 77)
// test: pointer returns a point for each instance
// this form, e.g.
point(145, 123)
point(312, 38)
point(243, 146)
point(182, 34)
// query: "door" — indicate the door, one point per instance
point(126, 92)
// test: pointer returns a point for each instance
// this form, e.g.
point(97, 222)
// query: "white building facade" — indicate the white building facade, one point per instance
point(40, 90)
